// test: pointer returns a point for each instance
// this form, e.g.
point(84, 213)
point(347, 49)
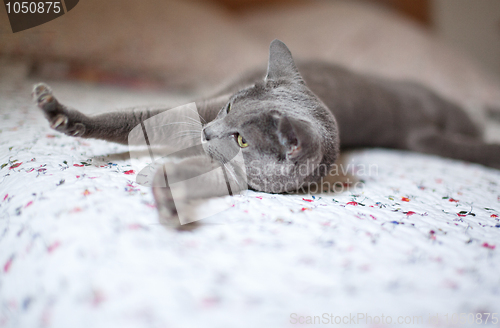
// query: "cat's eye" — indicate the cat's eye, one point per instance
point(228, 108)
point(241, 141)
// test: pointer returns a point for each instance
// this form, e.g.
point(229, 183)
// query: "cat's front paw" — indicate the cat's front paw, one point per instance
point(43, 97)
point(167, 210)
point(57, 114)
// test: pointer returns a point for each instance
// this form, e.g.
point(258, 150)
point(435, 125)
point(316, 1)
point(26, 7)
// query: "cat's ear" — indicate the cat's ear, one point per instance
point(297, 137)
point(281, 65)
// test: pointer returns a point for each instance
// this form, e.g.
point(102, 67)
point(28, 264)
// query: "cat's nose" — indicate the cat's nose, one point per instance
point(206, 135)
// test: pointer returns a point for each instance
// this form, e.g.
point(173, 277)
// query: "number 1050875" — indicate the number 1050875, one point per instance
point(33, 7)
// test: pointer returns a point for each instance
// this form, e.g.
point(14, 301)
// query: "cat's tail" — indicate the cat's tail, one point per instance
point(487, 118)
point(457, 146)
point(493, 112)
point(492, 125)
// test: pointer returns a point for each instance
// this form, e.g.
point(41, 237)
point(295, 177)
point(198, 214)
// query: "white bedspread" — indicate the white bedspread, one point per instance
point(80, 244)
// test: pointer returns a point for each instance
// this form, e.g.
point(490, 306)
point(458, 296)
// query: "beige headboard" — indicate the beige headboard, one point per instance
point(418, 10)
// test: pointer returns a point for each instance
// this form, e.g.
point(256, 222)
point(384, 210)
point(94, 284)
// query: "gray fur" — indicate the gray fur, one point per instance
point(295, 120)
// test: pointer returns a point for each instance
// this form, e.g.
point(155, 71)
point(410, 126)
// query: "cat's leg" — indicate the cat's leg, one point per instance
point(176, 185)
point(112, 126)
point(492, 124)
point(61, 119)
point(454, 145)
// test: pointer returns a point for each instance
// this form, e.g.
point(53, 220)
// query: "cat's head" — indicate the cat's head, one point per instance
point(286, 134)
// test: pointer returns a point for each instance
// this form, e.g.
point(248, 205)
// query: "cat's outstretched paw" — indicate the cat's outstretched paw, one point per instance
point(57, 114)
point(167, 211)
point(43, 97)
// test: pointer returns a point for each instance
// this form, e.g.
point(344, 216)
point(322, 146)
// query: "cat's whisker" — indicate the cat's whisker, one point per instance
point(201, 118)
point(185, 137)
point(190, 131)
point(195, 121)
point(187, 132)
point(180, 123)
point(231, 171)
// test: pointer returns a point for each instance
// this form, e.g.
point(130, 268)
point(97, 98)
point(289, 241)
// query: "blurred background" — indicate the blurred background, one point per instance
point(452, 46)
point(472, 26)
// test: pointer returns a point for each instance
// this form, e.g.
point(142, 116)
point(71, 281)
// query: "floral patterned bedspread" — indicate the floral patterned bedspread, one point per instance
point(81, 246)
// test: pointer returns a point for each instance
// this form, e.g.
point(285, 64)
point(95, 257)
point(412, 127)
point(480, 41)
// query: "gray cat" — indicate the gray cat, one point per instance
point(289, 127)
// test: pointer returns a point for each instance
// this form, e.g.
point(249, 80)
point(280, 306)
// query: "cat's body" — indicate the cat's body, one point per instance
point(372, 111)
point(290, 120)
